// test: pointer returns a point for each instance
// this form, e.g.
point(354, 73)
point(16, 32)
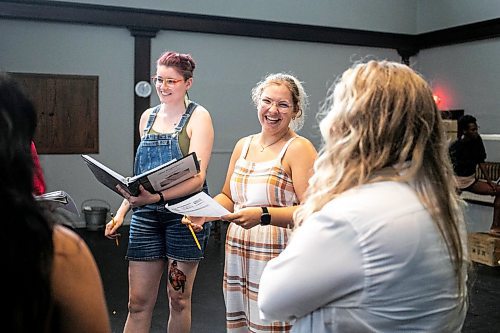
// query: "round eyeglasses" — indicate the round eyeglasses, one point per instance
point(159, 81)
point(282, 107)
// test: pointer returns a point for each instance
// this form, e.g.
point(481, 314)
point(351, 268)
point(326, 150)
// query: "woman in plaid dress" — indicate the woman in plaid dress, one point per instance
point(266, 180)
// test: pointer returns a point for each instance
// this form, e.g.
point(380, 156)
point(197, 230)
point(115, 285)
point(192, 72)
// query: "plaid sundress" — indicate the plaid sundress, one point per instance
point(248, 250)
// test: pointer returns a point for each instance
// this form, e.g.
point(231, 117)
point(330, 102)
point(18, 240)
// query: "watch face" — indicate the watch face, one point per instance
point(143, 89)
point(265, 219)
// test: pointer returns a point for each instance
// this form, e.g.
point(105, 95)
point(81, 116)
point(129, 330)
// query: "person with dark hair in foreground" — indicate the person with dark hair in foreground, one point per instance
point(467, 153)
point(380, 243)
point(52, 281)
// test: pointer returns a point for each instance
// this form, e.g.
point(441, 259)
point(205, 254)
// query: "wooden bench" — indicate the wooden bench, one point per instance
point(493, 170)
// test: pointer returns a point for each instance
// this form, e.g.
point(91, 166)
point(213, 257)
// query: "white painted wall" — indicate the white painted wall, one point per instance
point(466, 76)
point(227, 68)
point(440, 14)
point(38, 47)
point(398, 16)
point(375, 15)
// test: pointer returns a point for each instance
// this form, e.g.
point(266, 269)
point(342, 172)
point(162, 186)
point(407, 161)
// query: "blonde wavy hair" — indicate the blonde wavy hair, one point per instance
point(299, 96)
point(382, 114)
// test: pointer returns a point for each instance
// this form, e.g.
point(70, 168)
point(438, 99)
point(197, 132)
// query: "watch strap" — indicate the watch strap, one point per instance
point(162, 199)
point(265, 218)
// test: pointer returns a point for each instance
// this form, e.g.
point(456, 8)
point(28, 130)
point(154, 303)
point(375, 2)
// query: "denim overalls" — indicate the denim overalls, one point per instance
point(155, 232)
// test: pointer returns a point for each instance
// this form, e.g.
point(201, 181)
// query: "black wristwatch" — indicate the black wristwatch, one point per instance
point(162, 199)
point(265, 218)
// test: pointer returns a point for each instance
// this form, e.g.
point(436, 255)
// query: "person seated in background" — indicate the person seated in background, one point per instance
point(467, 153)
point(52, 281)
point(380, 243)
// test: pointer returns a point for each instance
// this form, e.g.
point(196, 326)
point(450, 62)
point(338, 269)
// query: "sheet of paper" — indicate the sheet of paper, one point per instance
point(200, 204)
point(174, 175)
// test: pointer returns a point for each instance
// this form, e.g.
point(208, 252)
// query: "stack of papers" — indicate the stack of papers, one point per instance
point(60, 198)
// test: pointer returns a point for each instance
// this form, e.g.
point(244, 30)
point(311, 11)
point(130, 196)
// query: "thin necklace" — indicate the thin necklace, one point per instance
point(269, 145)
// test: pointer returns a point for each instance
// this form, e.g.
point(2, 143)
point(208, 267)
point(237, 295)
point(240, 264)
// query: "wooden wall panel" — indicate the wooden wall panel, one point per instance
point(68, 115)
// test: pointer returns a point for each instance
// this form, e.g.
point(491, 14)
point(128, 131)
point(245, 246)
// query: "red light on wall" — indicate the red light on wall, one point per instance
point(443, 97)
point(437, 99)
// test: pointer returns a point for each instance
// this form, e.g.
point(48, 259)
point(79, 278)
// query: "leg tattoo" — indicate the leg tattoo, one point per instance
point(176, 277)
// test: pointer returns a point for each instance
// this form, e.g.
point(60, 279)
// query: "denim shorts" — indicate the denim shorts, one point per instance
point(156, 233)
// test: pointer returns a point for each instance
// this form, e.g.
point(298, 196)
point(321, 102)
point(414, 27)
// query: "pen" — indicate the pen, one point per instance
point(112, 225)
point(194, 236)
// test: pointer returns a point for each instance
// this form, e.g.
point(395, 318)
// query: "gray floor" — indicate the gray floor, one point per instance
point(208, 303)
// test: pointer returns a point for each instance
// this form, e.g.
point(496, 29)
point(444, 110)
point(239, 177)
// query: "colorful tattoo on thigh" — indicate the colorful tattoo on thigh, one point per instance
point(176, 277)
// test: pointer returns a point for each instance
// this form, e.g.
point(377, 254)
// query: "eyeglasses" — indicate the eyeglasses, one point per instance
point(169, 82)
point(282, 107)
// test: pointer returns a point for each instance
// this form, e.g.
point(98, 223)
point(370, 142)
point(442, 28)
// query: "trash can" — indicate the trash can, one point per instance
point(95, 212)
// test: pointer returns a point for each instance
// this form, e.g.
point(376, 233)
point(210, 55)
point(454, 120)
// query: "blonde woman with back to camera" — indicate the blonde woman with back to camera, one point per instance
point(380, 242)
point(266, 181)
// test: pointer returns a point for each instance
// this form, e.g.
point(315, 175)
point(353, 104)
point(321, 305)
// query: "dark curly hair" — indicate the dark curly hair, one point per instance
point(463, 123)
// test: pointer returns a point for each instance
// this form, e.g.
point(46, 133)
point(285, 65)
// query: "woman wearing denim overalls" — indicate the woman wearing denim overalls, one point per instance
point(157, 238)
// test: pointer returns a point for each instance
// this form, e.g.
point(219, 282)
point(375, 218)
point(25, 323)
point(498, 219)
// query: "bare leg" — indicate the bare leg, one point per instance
point(144, 282)
point(485, 188)
point(180, 282)
point(495, 226)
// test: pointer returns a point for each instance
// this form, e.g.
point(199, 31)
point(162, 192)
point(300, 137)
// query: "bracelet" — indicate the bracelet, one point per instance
point(161, 197)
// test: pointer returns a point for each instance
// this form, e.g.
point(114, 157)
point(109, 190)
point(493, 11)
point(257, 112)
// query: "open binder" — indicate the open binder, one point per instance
point(154, 180)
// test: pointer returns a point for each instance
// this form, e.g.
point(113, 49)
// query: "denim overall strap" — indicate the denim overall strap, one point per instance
point(184, 119)
point(155, 232)
point(151, 120)
point(182, 122)
point(155, 148)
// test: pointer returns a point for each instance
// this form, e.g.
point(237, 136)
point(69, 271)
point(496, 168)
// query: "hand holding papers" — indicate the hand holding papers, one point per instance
point(194, 236)
point(200, 204)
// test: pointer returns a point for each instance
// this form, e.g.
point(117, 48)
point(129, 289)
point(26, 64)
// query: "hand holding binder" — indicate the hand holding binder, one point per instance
point(154, 180)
